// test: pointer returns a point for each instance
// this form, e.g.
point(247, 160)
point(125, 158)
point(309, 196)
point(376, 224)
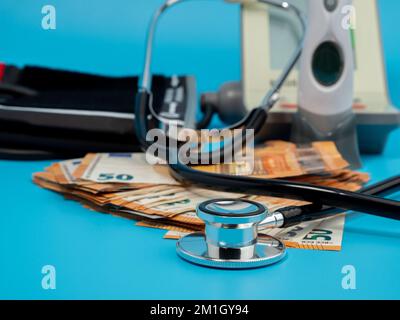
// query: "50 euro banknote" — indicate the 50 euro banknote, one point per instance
point(276, 159)
point(279, 159)
point(323, 235)
point(126, 185)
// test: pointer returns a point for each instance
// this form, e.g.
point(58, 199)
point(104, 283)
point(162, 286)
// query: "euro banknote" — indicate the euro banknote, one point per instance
point(121, 168)
point(127, 186)
point(324, 235)
point(279, 159)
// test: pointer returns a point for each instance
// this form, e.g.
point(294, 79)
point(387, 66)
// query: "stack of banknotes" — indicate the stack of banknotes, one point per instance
point(126, 185)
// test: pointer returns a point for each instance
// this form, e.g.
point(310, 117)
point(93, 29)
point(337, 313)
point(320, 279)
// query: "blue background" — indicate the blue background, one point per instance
point(100, 256)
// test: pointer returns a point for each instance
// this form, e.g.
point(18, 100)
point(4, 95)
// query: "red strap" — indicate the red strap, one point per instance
point(2, 70)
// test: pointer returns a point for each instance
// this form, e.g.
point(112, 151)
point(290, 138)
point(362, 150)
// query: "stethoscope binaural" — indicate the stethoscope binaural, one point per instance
point(325, 201)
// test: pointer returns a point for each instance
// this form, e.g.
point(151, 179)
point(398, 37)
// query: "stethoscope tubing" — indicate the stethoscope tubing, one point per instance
point(318, 195)
point(341, 199)
point(345, 200)
point(296, 215)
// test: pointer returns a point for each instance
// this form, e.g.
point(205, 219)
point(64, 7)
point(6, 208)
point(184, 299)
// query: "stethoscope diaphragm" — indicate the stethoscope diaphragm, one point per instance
point(230, 240)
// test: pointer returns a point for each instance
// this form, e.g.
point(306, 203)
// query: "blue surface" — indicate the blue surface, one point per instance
point(100, 256)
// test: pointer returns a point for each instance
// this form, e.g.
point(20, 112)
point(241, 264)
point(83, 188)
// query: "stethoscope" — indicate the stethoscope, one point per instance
point(230, 239)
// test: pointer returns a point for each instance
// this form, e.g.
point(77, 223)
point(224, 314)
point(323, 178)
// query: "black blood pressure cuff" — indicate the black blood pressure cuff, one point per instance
point(46, 113)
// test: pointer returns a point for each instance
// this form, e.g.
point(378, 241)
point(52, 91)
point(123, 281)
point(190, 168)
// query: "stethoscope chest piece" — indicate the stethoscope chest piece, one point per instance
point(230, 240)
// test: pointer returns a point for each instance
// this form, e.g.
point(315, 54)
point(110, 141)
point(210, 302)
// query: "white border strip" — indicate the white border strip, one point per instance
point(107, 114)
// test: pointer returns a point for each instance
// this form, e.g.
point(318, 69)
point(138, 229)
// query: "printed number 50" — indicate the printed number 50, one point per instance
point(112, 176)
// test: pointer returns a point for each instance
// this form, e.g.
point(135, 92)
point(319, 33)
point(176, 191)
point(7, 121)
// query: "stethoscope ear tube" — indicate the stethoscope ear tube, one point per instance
point(142, 116)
